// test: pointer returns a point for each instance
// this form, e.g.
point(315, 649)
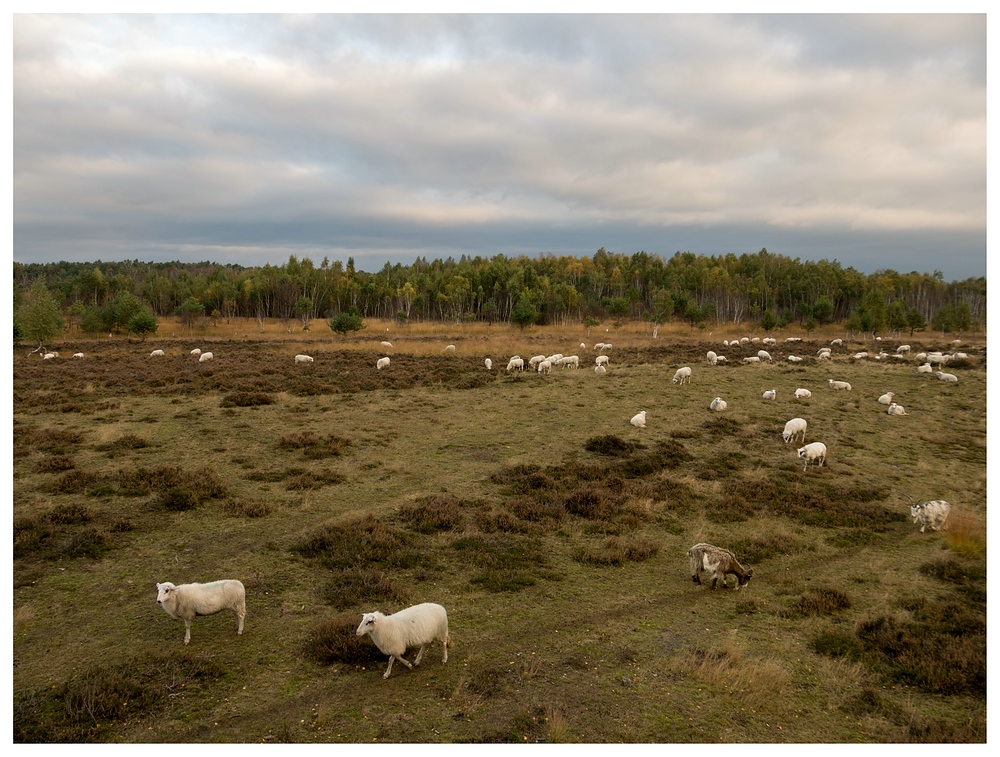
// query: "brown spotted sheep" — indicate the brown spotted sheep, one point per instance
point(718, 562)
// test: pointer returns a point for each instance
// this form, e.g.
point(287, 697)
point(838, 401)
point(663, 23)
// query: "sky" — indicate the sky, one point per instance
point(249, 138)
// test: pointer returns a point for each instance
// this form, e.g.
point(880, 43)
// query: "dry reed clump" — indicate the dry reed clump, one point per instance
point(728, 668)
point(335, 640)
point(433, 513)
point(55, 464)
point(966, 534)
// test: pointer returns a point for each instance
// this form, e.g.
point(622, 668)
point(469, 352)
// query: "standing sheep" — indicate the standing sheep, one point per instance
point(205, 357)
point(156, 353)
point(415, 626)
point(515, 363)
point(933, 514)
point(489, 364)
point(712, 357)
point(682, 376)
point(382, 362)
point(450, 349)
point(814, 451)
point(794, 428)
point(718, 562)
point(601, 360)
point(639, 420)
point(306, 359)
point(189, 600)
point(196, 352)
point(764, 355)
point(544, 367)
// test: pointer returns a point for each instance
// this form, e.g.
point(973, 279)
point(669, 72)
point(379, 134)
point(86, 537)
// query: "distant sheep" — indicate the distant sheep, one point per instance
point(303, 359)
point(515, 363)
point(793, 339)
point(824, 356)
point(682, 376)
point(450, 349)
point(599, 346)
point(382, 362)
point(416, 626)
point(793, 429)
point(639, 420)
point(387, 345)
point(946, 376)
point(607, 346)
point(860, 355)
point(770, 394)
point(837, 343)
point(794, 359)
point(573, 361)
point(189, 600)
point(533, 363)
point(720, 359)
point(157, 353)
point(803, 394)
point(933, 514)
point(764, 355)
point(718, 563)
point(814, 452)
point(545, 366)
point(77, 354)
point(205, 357)
point(752, 359)
point(821, 350)
point(600, 369)
point(711, 357)
point(554, 359)
point(718, 404)
point(886, 399)
point(602, 360)
point(895, 409)
point(489, 364)
point(583, 346)
point(195, 352)
point(925, 368)
point(902, 349)
point(840, 385)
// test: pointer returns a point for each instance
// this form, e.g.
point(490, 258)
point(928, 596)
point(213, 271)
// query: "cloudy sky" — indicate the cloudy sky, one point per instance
point(248, 138)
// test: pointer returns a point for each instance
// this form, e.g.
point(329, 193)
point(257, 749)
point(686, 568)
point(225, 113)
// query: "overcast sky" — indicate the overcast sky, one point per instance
point(246, 139)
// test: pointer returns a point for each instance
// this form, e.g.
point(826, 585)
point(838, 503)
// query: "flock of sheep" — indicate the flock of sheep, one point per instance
point(421, 625)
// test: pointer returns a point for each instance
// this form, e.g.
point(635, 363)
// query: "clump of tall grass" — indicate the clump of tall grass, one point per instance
point(433, 513)
point(966, 534)
point(335, 640)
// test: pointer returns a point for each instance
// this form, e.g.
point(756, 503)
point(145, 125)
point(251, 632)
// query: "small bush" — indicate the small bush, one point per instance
point(299, 439)
point(74, 482)
point(432, 514)
point(836, 644)
point(55, 464)
point(68, 515)
point(617, 551)
point(611, 445)
point(328, 446)
point(179, 499)
point(367, 542)
point(355, 586)
point(138, 482)
point(246, 399)
point(336, 640)
point(313, 480)
point(249, 508)
point(123, 444)
point(822, 601)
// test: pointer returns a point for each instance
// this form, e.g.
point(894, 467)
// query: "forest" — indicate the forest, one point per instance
point(759, 289)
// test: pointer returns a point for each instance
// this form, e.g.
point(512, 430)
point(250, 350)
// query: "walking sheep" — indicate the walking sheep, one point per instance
point(415, 626)
point(718, 562)
point(189, 600)
point(303, 359)
point(814, 451)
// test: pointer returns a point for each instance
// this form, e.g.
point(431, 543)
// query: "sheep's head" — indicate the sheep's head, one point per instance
point(802, 452)
point(163, 592)
point(741, 582)
point(368, 621)
point(915, 512)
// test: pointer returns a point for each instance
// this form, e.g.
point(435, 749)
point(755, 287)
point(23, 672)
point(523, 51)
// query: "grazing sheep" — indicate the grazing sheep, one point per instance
point(515, 363)
point(195, 352)
point(602, 360)
point(383, 362)
point(600, 369)
point(794, 359)
point(793, 339)
point(639, 420)
point(599, 346)
point(821, 350)
point(824, 356)
point(718, 404)
point(933, 514)
point(745, 340)
point(554, 359)
point(303, 359)
point(711, 357)
point(545, 366)
point(803, 394)
point(946, 376)
point(769, 341)
point(416, 626)
point(925, 368)
point(607, 346)
point(450, 349)
point(936, 358)
point(794, 428)
point(718, 562)
point(583, 346)
point(837, 343)
point(77, 354)
point(682, 376)
point(189, 600)
point(770, 394)
point(886, 399)
point(814, 451)
point(154, 353)
point(489, 364)
point(860, 355)
point(533, 363)
point(205, 357)
point(573, 361)
point(902, 348)
point(48, 356)
point(754, 340)
point(387, 345)
point(920, 357)
point(720, 359)
point(764, 355)
point(895, 409)
point(840, 385)
point(752, 359)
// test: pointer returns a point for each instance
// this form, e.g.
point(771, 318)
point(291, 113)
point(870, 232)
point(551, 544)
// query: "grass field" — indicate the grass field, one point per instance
point(553, 532)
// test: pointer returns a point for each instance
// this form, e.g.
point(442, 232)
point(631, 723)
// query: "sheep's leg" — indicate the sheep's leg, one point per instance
point(447, 641)
point(187, 632)
point(403, 660)
point(241, 614)
point(419, 654)
point(388, 670)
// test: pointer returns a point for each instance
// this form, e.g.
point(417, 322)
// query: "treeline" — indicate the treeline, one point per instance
point(754, 289)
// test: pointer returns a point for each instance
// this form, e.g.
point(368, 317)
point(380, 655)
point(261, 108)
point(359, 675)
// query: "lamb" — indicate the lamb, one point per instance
point(416, 626)
point(841, 385)
point(770, 394)
point(573, 361)
point(712, 357)
point(718, 562)
point(764, 355)
point(515, 363)
point(545, 366)
point(639, 420)
point(718, 404)
point(753, 359)
point(602, 360)
point(157, 353)
point(814, 451)
point(886, 399)
point(489, 364)
point(794, 428)
point(600, 369)
point(189, 600)
point(77, 354)
point(933, 514)
point(195, 352)
point(303, 359)
point(946, 376)
point(382, 362)
point(895, 409)
point(794, 359)
point(803, 394)
point(205, 357)
point(682, 376)
point(925, 368)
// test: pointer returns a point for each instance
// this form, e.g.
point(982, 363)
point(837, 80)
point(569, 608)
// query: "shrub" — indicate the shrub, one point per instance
point(244, 398)
point(836, 644)
point(822, 601)
point(179, 499)
point(55, 464)
point(299, 439)
point(432, 514)
point(123, 443)
point(250, 508)
point(368, 541)
point(336, 640)
point(313, 480)
point(611, 445)
point(354, 586)
point(617, 551)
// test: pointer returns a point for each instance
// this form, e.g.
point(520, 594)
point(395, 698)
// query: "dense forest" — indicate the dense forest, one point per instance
point(758, 289)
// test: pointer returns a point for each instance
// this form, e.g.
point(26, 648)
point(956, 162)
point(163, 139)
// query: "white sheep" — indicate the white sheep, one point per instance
point(607, 346)
point(925, 368)
point(600, 369)
point(189, 600)
point(794, 359)
point(769, 341)
point(813, 451)
point(573, 361)
point(886, 399)
point(303, 359)
point(837, 343)
point(920, 357)
point(793, 339)
point(515, 363)
point(77, 354)
point(639, 420)
point(205, 357)
point(601, 360)
point(933, 514)
point(450, 349)
point(382, 362)
point(751, 359)
point(554, 359)
point(599, 346)
point(583, 346)
point(157, 353)
point(902, 348)
point(840, 385)
point(860, 356)
point(764, 355)
point(720, 359)
point(822, 350)
point(489, 364)
point(545, 366)
point(682, 376)
point(895, 409)
point(824, 356)
point(803, 394)
point(745, 340)
point(48, 356)
point(794, 428)
point(946, 376)
point(416, 626)
point(770, 394)
point(195, 352)
point(718, 404)
point(533, 363)
point(386, 345)
point(754, 340)
point(712, 357)
point(718, 562)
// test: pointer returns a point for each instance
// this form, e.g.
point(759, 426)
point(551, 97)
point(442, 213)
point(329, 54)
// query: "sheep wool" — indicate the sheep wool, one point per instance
point(189, 600)
point(416, 626)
